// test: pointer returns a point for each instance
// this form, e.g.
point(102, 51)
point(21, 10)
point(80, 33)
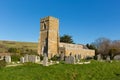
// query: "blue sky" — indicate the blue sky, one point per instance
point(84, 20)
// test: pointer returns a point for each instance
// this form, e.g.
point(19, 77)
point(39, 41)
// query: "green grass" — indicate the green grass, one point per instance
point(93, 71)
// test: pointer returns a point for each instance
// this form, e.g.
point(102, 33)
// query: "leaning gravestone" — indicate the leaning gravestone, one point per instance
point(45, 60)
point(8, 59)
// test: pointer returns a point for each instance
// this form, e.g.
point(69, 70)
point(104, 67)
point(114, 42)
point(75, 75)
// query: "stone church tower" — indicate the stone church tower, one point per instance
point(49, 36)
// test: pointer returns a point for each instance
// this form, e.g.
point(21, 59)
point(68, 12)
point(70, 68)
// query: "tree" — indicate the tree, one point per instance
point(12, 50)
point(103, 45)
point(66, 39)
point(115, 48)
point(91, 46)
point(107, 47)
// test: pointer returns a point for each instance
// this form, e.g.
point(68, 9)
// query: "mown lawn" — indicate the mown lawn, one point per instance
point(94, 71)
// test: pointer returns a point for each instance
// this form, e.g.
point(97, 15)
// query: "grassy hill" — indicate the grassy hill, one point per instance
point(94, 71)
point(5, 45)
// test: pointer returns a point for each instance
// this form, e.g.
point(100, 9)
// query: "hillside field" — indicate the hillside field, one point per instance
point(94, 71)
point(5, 45)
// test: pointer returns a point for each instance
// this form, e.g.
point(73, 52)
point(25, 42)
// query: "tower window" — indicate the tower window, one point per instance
point(44, 26)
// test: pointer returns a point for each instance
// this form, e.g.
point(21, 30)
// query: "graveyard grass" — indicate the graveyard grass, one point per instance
point(94, 71)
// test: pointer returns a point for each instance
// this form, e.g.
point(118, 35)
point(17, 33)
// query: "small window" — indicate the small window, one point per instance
point(44, 26)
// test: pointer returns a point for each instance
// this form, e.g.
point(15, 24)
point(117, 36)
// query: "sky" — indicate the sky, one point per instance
point(84, 20)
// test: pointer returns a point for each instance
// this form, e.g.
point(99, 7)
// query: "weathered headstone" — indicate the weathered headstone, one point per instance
point(34, 58)
point(117, 57)
point(99, 57)
point(45, 60)
point(31, 58)
point(22, 60)
point(26, 58)
point(108, 58)
point(79, 56)
point(72, 59)
point(62, 56)
point(67, 59)
point(8, 59)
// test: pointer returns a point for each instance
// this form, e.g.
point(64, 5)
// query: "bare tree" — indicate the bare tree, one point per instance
point(103, 45)
point(115, 48)
point(107, 47)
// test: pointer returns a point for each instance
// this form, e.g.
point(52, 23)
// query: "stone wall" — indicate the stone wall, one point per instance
point(76, 49)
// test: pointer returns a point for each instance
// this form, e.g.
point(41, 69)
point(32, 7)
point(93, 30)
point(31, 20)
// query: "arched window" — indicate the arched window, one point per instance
point(44, 26)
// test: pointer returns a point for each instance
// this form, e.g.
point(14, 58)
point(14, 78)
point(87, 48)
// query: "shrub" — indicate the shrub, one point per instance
point(15, 57)
point(2, 63)
point(41, 57)
point(55, 58)
point(89, 58)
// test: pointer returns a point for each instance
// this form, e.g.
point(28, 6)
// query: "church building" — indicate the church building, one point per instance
point(50, 44)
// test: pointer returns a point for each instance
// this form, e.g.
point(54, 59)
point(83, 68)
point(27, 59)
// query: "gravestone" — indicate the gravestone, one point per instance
point(67, 59)
point(99, 57)
point(76, 57)
point(26, 58)
point(62, 56)
point(22, 60)
point(108, 58)
point(45, 60)
point(79, 56)
point(117, 57)
point(8, 59)
point(32, 58)
point(70, 59)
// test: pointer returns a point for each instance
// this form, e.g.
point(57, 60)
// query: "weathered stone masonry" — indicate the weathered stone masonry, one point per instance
point(49, 41)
